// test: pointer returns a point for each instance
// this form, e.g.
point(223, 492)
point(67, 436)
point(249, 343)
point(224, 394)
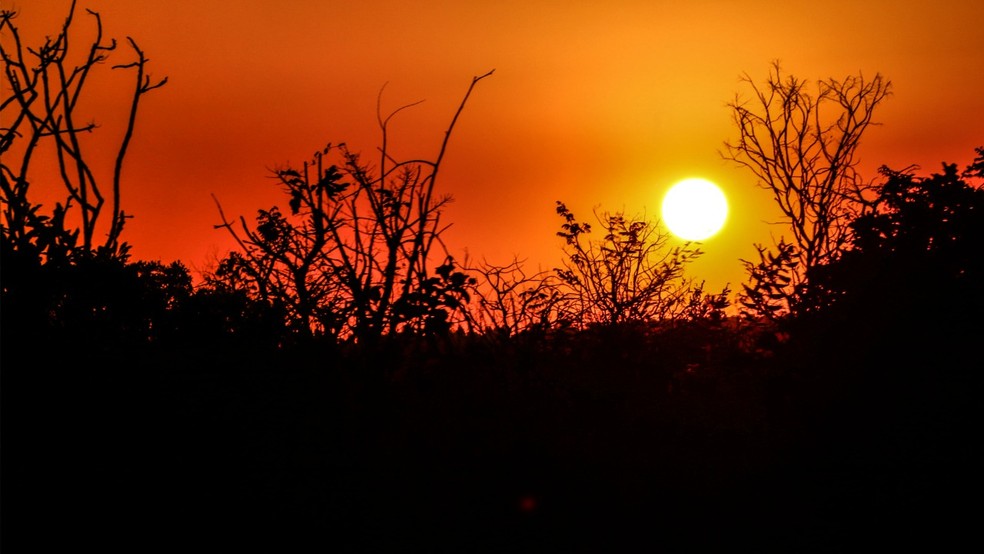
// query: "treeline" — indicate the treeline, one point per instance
point(137, 405)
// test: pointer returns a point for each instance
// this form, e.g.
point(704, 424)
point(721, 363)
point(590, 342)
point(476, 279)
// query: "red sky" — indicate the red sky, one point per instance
point(597, 104)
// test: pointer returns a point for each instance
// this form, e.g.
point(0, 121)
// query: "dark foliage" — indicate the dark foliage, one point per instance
point(882, 353)
point(914, 257)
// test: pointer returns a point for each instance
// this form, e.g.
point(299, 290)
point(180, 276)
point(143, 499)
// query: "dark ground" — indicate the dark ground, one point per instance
point(485, 450)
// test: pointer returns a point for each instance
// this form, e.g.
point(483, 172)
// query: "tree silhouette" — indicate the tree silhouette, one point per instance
point(509, 301)
point(41, 111)
point(913, 259)
point(630, 274)
point(59, 280)
point(355, 257)
point(803, 149)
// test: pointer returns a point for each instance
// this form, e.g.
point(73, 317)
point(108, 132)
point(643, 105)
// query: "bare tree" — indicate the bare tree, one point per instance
point(631, 274)
point(40, 104)
point(508, 300)
point(802, 147)
point(356, 256)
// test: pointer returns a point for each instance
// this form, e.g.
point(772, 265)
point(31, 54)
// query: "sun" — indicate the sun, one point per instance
point(695, 209)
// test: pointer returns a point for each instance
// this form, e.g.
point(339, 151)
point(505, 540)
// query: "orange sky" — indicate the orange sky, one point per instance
point(593, 103)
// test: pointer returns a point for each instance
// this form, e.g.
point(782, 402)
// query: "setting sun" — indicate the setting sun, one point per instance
point(694, 209)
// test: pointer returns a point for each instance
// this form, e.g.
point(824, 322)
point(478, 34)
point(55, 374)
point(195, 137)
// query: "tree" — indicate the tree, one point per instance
point(60, 281)
point(355, 257)
point(630, 274)
point(509, 301)
point(881, 354)
point(802, 148)
point(913, 260)
point(40, 111)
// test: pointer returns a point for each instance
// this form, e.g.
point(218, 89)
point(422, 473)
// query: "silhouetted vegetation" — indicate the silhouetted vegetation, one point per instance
point(630, 275)
point(802, 148)
point(40, 110)
point(341, 382)
point(359, 264)
point(511, 301)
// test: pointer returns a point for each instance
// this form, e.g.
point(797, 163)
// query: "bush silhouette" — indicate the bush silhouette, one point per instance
point(357, 256)
point(629, 275)
point(912, 261)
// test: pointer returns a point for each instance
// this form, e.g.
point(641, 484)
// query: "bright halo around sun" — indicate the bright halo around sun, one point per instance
point(695, 209)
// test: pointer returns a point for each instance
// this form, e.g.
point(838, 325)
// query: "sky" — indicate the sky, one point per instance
point(601, 105)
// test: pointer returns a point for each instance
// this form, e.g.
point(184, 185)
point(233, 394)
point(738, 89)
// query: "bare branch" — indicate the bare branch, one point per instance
point(353, 260)
point(803, 149)
point(45, 98)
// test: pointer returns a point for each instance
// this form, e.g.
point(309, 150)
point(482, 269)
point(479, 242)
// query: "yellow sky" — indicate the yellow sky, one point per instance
point(597, 104)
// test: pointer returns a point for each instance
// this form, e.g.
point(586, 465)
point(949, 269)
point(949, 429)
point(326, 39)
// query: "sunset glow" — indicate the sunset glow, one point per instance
point(590, 104)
